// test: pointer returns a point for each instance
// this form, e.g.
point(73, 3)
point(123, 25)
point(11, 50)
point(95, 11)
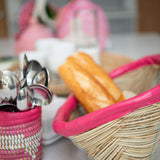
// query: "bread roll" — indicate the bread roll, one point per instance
point(86, 89)
point(87, 63)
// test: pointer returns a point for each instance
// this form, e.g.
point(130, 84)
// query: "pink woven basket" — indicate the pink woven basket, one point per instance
point(126, 130)
point(21, 135)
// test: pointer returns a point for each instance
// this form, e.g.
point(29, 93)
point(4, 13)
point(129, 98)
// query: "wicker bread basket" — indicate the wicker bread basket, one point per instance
point(20, 135)
point(126, 130)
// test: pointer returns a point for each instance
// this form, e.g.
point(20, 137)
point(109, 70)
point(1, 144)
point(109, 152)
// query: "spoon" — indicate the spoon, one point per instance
point(32, 96)
point(9, 86)
point(22, 80)
point(30, 69)
point(41, 95)
point(33, 65)
point(24, 99)
point(41, 77)
point(25, 65)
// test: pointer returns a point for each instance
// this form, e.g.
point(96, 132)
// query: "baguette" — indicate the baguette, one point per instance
point(87, 63)
point(85, 88)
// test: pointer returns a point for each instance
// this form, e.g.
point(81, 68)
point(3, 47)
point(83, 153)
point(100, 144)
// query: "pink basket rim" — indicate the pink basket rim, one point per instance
point(102, 116)
point(16, 118)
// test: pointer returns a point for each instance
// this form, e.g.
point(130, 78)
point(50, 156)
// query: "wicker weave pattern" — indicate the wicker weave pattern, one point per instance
point(21, 141)
point(139, 80)
point(130, 137)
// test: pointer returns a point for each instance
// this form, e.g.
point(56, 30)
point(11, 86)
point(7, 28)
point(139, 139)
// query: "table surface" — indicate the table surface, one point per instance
point(132, 45)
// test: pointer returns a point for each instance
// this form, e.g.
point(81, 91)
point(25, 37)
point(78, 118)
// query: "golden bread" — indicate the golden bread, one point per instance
point(88, 91)
point(87, 64)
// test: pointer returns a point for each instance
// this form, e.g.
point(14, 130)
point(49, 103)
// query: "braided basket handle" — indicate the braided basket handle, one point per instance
point(104, 115)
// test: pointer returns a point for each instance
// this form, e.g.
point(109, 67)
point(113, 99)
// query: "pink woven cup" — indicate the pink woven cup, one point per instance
point(21, 135)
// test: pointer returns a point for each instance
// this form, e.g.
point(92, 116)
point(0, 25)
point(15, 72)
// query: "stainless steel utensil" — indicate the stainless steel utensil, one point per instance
point(32, 96)
point(25, 65)
point(29, 89)
point(30, 69)
point(9, 86)
point(41, 95)
point(24, 99)
point(41, 77)
point(22, 80)
point(33, 65)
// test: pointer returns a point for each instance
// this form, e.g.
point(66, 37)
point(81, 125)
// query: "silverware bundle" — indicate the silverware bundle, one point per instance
point(26, 89)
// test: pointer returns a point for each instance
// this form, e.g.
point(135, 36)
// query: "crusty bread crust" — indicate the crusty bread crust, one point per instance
point(87, 63)
point(86, 89)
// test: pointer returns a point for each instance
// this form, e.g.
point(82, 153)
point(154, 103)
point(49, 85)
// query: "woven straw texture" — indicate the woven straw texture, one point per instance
point(22, 141)
point(132, 137)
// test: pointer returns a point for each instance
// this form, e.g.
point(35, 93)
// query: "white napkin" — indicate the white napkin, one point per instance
point(56, 51)
point(48, 113)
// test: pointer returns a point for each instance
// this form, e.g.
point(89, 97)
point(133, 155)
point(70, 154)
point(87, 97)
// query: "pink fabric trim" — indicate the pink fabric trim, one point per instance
point(155, 59)
point(16, 118)
point(110, 113)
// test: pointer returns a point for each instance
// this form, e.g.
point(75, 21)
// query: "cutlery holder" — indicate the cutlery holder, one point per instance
point(125, 130)
point(21, 135)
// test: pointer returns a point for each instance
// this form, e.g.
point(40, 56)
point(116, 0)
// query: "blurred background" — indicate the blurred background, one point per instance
point(131, 22)
point(125, 16)
point(122, 14)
